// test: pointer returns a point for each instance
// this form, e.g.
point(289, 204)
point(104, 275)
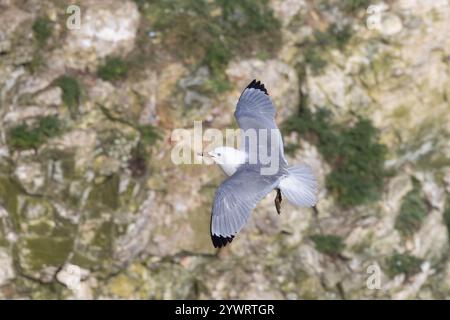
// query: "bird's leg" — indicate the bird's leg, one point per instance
point(278, 200)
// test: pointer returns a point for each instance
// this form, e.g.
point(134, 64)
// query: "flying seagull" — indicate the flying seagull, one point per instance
point(245, 186)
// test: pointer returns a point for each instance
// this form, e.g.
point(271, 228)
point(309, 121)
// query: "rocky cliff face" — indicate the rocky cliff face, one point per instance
point(91, 205)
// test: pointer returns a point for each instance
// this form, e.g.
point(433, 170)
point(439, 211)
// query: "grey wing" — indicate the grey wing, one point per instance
point(255, 111)
point(235, 199)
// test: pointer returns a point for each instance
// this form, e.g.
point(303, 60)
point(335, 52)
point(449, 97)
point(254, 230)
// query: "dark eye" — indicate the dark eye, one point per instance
point(218, 154)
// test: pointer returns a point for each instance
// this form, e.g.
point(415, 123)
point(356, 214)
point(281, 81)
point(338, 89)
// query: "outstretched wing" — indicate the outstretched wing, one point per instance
point(235, 199)
point(256, 112)
point(255, 109)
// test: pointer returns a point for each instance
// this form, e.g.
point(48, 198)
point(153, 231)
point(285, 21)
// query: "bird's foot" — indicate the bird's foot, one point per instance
point(278, 200)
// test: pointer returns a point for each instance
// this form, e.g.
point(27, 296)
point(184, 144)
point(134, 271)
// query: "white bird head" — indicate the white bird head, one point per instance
point(219, 155)
point(229, 159)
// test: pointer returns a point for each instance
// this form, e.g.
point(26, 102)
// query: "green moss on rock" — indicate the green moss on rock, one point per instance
point(66, 158)
point(42, 29)
point(42, 228)
point(94, 249)
point(105, 194)
point(182, 282)
point(413, 211)
point(316, 48)
point(36, 290)
point(49, 126)
point(212, 32)
point(47, 239)
point(315, 60)
point(39, 252)
point(352, 6)
point(71, 92)
point(23, 136)
point(113, 69)
point(217, 84)
point(334, 37)
point(354, 153)
point(35, 208)
point(83, 260)
point(403, 264)
point(104, 236)
point(149, 134)
point(9, 192)
point(68, 165)
point(328, 244)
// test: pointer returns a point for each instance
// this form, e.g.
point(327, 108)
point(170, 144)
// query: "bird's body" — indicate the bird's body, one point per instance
point(249, 178)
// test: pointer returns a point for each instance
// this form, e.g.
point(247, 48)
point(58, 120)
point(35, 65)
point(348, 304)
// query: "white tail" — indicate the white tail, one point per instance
point(300, 186)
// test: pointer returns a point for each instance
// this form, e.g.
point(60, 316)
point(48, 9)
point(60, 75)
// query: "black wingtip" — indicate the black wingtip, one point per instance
point(257, 85)
point(219, 241)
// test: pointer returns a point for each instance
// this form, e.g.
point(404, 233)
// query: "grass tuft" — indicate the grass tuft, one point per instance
point(315, 50)
point(354, 153)
point(413, 211)
point(211, 33)
point(71, 92)
point(328, 244)
point(23, 137)
point(403, 264)
point(149, 134)
point(42, 30)
point(352, 6)
point(113, 69)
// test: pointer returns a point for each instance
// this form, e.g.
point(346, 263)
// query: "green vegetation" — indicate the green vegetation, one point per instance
point(114, 68)
point(37, 62)
point(403, 264)
point(140, 154)
point(104, 237)
point(212, 32)
point(334, 37)
point(328, 244)
point(9, 191)
point(412, 211)
point(71, 92)
point(149, 134)
point(105, 195)
point(351, 6)
point(354, 153)
point(315, 49)
point(315, 60)
point(217, 84)
point(24, 137)
point(49, 126)
point(45, 251)
point(65, 157)
point(42, 29)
